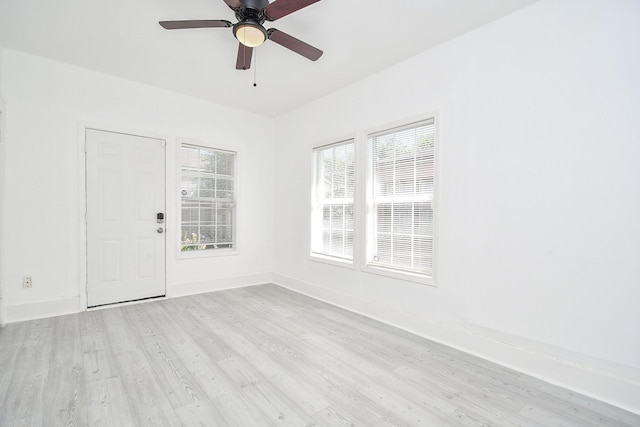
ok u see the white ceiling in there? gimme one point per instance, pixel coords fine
(123, 38)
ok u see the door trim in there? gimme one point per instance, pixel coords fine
(3, 248)
(82, 204)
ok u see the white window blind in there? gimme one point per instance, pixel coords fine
(208, 198)
(400, 200)
(332, 214)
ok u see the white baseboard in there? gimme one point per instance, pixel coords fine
(70, 305)
(605, 381)
(42, 309)
(191, 288)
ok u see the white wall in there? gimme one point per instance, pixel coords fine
(47, 104)
(539, 231)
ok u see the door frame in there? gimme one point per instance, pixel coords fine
(170, 211)
(3, 163)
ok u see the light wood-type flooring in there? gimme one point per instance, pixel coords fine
(262, 356)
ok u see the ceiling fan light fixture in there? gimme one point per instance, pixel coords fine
(249, 33)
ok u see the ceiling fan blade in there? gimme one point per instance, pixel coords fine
(207, 23)
(280, 8)
(233, 4)
(292, 43)
(244, 57)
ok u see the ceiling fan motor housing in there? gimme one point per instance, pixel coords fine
(250, 14)
(255, 4)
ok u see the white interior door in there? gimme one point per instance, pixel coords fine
(125, 240)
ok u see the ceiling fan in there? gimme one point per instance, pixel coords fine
(251, 14)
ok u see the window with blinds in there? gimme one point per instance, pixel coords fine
(332, 222)
(208, 198)
(400, 198)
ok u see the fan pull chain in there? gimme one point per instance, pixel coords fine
(255, 66)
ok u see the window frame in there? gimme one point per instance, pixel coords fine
(212, 252)
(313, 217)
(367, 203)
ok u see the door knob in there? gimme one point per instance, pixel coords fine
(160, 230)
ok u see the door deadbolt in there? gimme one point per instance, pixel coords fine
(160, 217)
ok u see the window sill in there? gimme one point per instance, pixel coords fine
(207, 253)
(332, 261)
(421, 279)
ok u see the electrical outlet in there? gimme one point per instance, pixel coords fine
(27, 282)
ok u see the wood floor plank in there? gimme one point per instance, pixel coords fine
(262, 356)
(65, 388)
(477, 415)
(278, 408)
(186, 318)
(153, 401)
(363, 410)
(10, 348)
(108, 403)
(562, 400)
(233, 405)
(334, 416)
(98, 356)
(167, 371)
(406, 409)
(226, 400)
(202, 413)
(415, 393)
(437, 382)
(565, 414)
(29, 376)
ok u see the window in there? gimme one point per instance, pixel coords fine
(332, 213)
(208, 199)
(400, 198)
